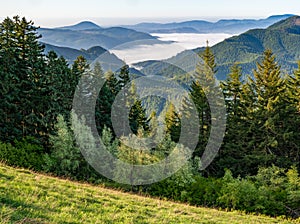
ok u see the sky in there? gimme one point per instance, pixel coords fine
(51, 13)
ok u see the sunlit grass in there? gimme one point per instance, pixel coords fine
(27, 197)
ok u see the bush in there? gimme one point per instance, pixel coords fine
(25, 153)
(271, 184)
(176, 186)
(237, 193)
(272, 192)
(204, 191)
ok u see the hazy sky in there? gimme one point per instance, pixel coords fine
(108, 12)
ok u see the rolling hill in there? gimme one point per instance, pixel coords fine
(108, 61)
(87, 34)
(232, 26)
(70, 54)
(282, 37)
(28, 197)
(84, 25)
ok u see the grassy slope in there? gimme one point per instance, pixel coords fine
(27, 197)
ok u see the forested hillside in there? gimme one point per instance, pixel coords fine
(246, 49)
(256, 169)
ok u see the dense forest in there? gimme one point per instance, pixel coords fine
(257, 166)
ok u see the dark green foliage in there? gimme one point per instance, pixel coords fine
(137, 117)
(58, 89)
(112, 82)
(129, 100)
(105, 98)
(263, 120)
(172, 122)
(34, 88)
(272, 191)
(21, 69)
(124, 77)
(234, 146)
(175, 187)
(25, 153)
(204, 84)
(79, 66)
(270, 112)
(204, 191)
(266, 193)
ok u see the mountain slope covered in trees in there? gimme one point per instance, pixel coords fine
(246, 49)
(252, 164)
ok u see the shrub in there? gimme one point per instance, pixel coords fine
(272, 192)
(237, 193)
(293, 192)
(25, 153)
(204, 191)
(175, 187)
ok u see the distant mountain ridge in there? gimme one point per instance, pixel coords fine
(282, 37)
(231, 26)
(84, 25)
(87, 34)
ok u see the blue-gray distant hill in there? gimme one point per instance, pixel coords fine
(108, 61)
(87, 34)
(232, 26)
(85, 25)
(247, 49)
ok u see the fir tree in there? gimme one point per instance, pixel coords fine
(137, 114)
(23, 67)
(105, 100)
(204, 83)
(124, 77)
(233, 149)
(112, 82)
(172, 122)
(269, 117)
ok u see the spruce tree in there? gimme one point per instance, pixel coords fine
(112, 82)
(172, 122)
(58, 88)
(124, 77)
(269, 116)
(294, 87)
(294, 113)
(137, 117)
(137, 114)
(23, 65)
(204, 84)
(233, 149)
(105, 100)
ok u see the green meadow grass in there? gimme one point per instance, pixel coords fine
(28, 197)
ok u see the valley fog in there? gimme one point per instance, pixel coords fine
(181, 42)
